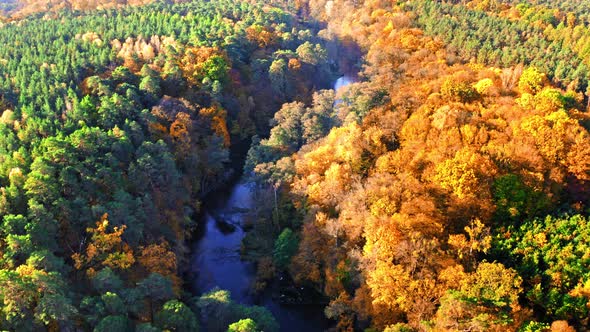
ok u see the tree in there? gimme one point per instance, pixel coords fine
(285, 247)
(218, 118)
(159, 259)
(514, 200)
(215, 307)
(150, 85)
(114, 324)
(18, 297)
(492, 284)
(552, 100)
(157, 289)
(260, 315)
(80, 138)
(311, 54)
(146, 327)
(113, 303)
(318, 119)
(479, 241)
(199, 63)
(487, 300)
(483, 86)
(277, 74)
(550, 256)
(218, 311)
(105, 249)
(287, 132)
(466, 174)
(96, 86)
(458, 91)
(399, 327)
(176, 316)
(55, 308)
(106, 280)
(122, 74)
(243, 325)
(216, 68)
(531, 80)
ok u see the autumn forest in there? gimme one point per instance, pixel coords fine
(444, 187)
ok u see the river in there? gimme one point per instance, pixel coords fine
(215, 260)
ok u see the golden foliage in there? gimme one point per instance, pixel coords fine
(104, 249)
(218, 118)
(260, 35)
(294, 64)
(466, 174)
(158, 258)
(406, 190)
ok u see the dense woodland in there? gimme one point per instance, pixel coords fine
(115, 124)
(450, 190)
(447, 190)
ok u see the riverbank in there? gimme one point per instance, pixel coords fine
(217, 259)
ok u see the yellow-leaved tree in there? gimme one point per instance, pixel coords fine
(106, 248)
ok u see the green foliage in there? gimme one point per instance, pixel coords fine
(294, 125)
(114, 324)
(146, 327)
(215, 309)
(503, 42)
(113, 303)
(359, 101)
(100, 117)
(243, 325)
(285, 247)
(533, 326)
(176, 316)
(312, 54)
(107, 280)
(26, 307)
(216, 68)
(260, 315)
(122, 74)
(55, 308)
(218, 311)
(277, 73)
(156, 287)
(46, 260)
(514, 200)
(150, 85)
(551, 254)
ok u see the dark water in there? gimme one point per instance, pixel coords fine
(215, 260)
(216, 255)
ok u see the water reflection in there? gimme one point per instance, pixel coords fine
(216, 261)
(216, 256)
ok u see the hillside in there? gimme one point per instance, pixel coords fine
(115, 124)
(449, 190)
(15, 9)
(445, 187)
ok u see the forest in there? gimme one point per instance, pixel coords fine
(115, 124)
(446, 189)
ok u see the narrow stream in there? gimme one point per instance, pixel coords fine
(216, 255)
(216, 262)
